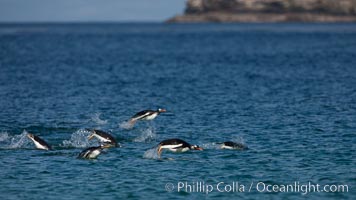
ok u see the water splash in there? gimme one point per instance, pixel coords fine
(126, 125)
(96, 118)
(20, 140)
(151, 154)
(147, 135)
(217, 145)
(238, 139)
(79, 139)
(211, 145)
(4, 136)
(14, 142)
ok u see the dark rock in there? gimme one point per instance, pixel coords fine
(268, 11)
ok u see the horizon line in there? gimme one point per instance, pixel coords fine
(80, 21)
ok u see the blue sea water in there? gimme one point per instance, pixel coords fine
(287, 91)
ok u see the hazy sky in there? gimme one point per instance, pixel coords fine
(89, 10)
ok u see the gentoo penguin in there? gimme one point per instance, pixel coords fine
(40, 144)
(92, 152)
(176, 145)
(146, 115)
(103, 137)
(233, 145)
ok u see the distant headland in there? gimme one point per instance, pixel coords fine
(268, 11)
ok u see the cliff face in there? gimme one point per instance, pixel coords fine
(268, 11)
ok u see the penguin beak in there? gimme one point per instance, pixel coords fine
(29, 135)
(163, 110)
(159, 151)
(106, 146)
(198, 148)
(91, 136)
(132, 122)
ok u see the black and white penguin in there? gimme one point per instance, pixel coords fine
(176, 145)
(40, 144)
(92, 152)
(146, 115)
(103, 137)
(233, 145)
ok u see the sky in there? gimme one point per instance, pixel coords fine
(89, 10)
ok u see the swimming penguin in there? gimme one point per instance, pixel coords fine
(40, 144)
(233, 145)
(103, 137)
(146, 115)
(176, 145)
(92, 152)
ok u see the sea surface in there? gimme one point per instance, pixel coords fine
(287, 91)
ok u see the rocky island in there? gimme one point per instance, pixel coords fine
(268, 11)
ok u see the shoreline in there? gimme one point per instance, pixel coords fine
(226, 17)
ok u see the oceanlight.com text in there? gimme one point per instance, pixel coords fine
(261, 187)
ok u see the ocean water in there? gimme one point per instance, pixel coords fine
(287, 91)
